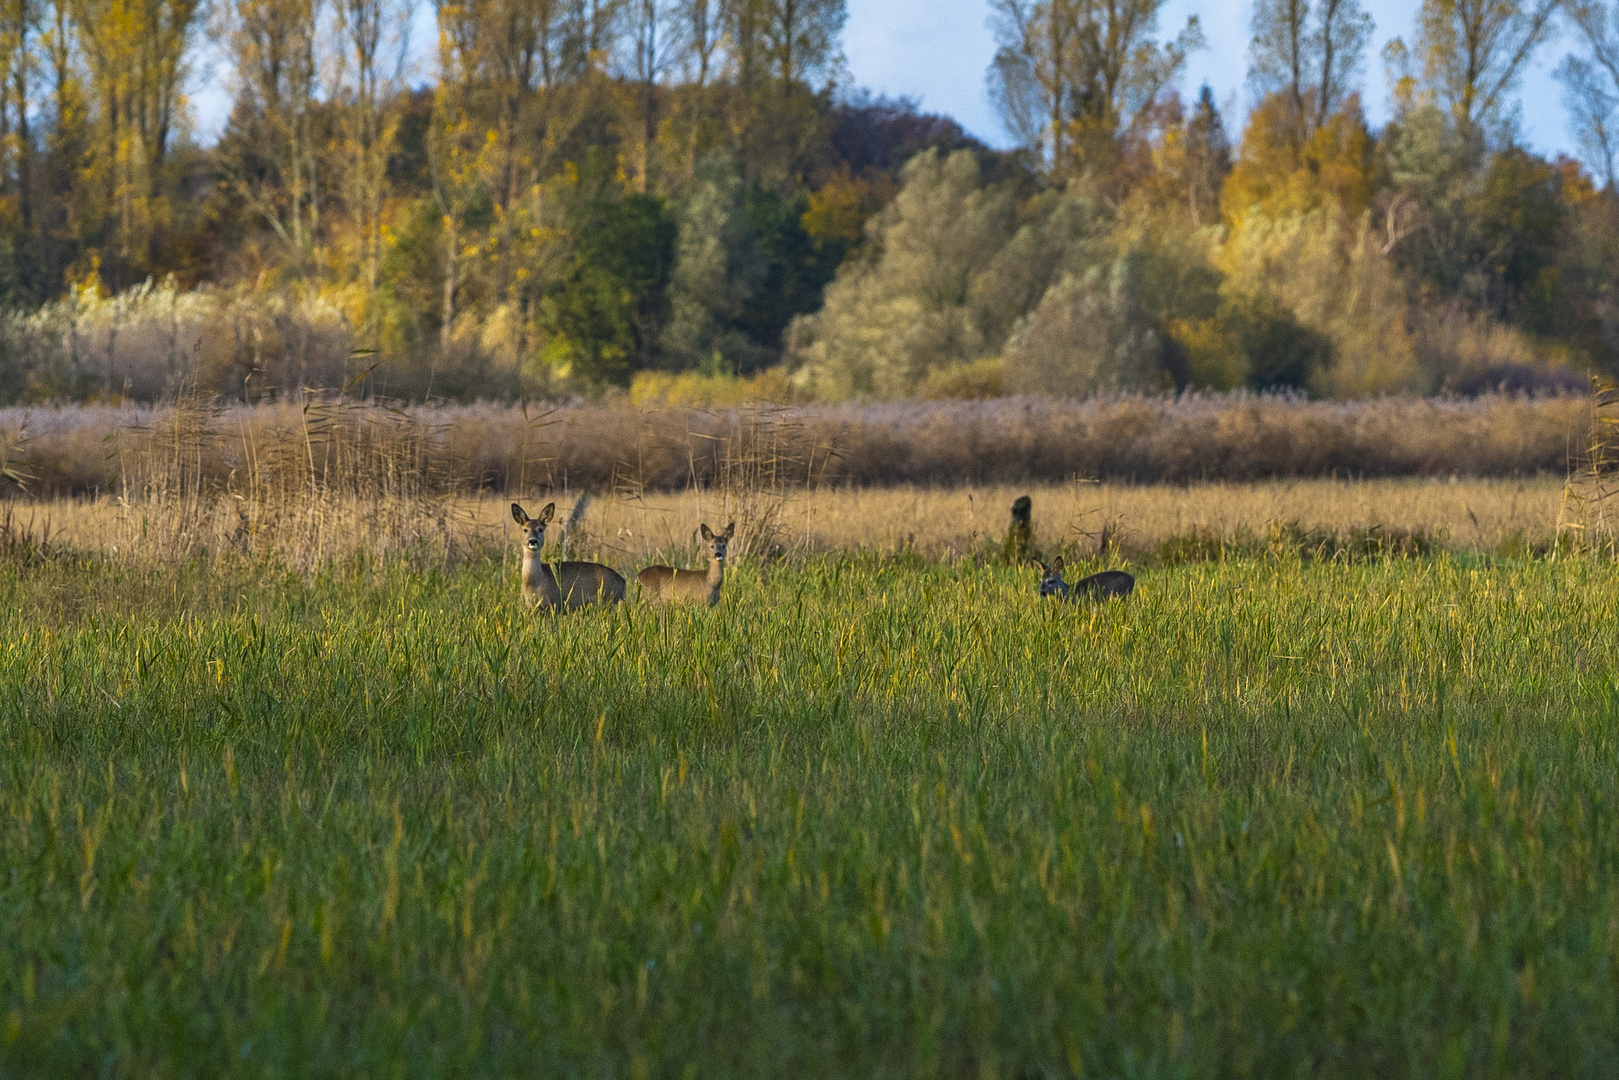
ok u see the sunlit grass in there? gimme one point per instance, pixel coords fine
(872, 816)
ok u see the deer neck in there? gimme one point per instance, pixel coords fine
(716, 577)
(539, 583)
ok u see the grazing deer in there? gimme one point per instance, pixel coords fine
(571, 585)
(1107, 585)
(667, 583)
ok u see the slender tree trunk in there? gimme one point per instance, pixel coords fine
(451, 253)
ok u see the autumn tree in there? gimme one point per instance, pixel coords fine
(1309, 54)
(778, 51)
(456, 143)
(700, 36)
(653, 49)
(18, 40)
(1032, 78)
(64, 214)
(1470, 55)
(1195, 158)
(375, 45)
(1592, 84)
(275, 168)
(1070, 75)
(136, 53)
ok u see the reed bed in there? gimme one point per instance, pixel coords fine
(80, 450)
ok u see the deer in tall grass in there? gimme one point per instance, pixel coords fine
(571, 585)
(667, 583)
(1107, 585)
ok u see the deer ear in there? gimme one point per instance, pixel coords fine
(1056, 564)
(518, 515)
(548, 513)
(1044, 569)
(730, 530)
(708, 534)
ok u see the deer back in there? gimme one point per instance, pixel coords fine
(581, 584)
(1104, 586)
(669, 583)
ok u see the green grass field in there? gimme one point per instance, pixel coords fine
(869, 818)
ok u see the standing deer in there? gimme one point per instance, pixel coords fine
(1107, 585)
(1020, 537)
(571, 585)
(667, 583)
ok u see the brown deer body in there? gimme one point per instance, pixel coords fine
(1108, 585)
(663, 583)
(572, 585)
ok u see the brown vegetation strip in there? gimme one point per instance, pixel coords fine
(365, 447)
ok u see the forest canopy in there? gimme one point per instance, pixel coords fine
(688, 200)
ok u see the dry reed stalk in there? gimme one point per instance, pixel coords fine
(13, 453)
(1586, 520)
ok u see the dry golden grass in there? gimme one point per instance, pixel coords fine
(939, 523)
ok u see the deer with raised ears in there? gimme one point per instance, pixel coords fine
(667, 583)
(1108, 585)
(571, 585)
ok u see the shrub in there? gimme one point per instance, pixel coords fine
(889, 323)
(1088, 334)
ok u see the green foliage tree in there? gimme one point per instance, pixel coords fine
(889, 323)
(604, 321)
(718, 273)
(1088, 333)
(797, 267)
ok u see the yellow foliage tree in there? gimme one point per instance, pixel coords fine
(1276, 176)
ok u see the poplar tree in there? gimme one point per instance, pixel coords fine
(1308, 53)
(375, 41)
(1592, 84)
(1470, 55)
(1071, 75)
(272, 48)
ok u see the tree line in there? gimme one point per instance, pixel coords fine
(1144, 251)
(589, 193)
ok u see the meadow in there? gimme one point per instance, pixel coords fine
(878, 814)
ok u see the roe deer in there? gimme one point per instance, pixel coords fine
(667, 583)
(571, 585)
(1020, 536)
(1104, 586)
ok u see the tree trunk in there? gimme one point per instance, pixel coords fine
(451, 244)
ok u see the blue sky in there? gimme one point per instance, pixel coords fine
(937, 51)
